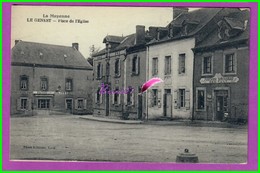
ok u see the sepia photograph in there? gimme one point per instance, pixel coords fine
(135, 84)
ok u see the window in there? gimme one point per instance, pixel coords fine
(24, 83)
(207, 65)
(200, 99)
(80, 104)
(155, 66)
(99, 71)
(24, 104)
(167, 65)
(130, 97)
(68, 85)
(135, 65)
(117, 67)
(182, 98)
(181, 63)
(43, 103)
(44, 84)
(154, 97)
(229, 61)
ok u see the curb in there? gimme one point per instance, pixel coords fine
(113, 120)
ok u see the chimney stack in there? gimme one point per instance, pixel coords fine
(179, 10)
(75, 46)
(16, 41)
(140, 34)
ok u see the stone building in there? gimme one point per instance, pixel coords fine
(221, 71)
(170, 57)
(121, 65)
(49, 79)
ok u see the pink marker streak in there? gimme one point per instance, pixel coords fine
(150, 83)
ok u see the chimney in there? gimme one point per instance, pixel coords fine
(179, 10)
(16, 41)
(140, 34)
(75, 46)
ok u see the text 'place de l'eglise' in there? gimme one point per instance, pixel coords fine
(202, 56)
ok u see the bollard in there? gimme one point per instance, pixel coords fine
(187, 157)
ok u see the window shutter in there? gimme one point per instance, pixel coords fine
(101, 98)
(18, 104)
(76, 104)
(96, 95)
(165, 65)
(175, 99)
(159, 98)
(101, 71)
(29, 104)
(138, 65)
(150, 96)
(133, 99)
(119, 99)
(85, 103)
(119, 67)
(113, 99)
(187, 99)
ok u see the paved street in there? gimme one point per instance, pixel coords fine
(72, 138)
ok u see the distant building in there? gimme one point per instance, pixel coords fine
(221, 75)
(49, 79)
(170, 57)
(121, 65)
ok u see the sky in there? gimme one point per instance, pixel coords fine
(99, 22)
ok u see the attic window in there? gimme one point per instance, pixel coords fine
(41, 54)
(65, 56)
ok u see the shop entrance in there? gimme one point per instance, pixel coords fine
(221, 104)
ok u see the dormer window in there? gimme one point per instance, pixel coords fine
(170, 34)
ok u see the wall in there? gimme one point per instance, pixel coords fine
(82, 86)
(175, 80)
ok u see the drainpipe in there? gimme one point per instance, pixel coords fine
(147, 77)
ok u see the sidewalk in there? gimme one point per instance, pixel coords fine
(180, 122)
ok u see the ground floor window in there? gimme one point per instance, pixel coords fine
(43, 103)
(80, 103)
(201, 99)
(182, 98)
(154, 97)
(24, 104)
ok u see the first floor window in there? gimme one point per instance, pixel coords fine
(68, 85)
(24, 83)
(24, 104)
(43, 103)
(200, 99)
(207, 66)
(99, 71)
(182, 63)
(229, 63)
(117, 67)
(155, 66)
(135, 65)
(167, 65)
(44, 84)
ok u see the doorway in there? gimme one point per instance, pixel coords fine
(221, 104)
(68, 105)
(167, 103)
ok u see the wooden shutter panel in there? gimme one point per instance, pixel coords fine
(18, 104)
(175, 99)
(159, 98)
(119, 67)
(96, 95)
(187, 99)
(29, 104)
(138, 66)
(150, 96)
(101, 71)
(113, 99)
(133, 99)
(76, 104)
(85, 103)
(119, 99)
(101, 98)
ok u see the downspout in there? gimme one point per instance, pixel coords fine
(147, 77)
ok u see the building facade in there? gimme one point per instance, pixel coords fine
(221, 64)
(122, 66)
(170, 57)
(49, 79)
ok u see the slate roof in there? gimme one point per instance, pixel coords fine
(127, 42)
(199, 18)
(238, 20)
(47, 54)
(113, 39)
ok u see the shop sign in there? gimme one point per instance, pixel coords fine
(218, 78)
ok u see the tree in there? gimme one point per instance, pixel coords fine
(92, 50)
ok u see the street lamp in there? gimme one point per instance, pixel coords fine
(108, 47)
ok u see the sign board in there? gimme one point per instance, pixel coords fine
(218, 78)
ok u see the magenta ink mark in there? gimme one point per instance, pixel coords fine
(104, 89)
(150, 83)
